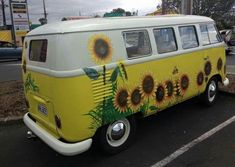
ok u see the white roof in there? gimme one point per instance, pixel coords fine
(110, 23)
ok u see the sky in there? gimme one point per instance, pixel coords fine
(57, 9)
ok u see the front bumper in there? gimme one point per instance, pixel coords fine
(226, 82)
(59, 146)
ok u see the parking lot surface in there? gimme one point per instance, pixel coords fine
(157, 137)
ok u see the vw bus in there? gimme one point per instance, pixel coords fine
(88, 80)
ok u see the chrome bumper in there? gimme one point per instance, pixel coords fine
(67, 149)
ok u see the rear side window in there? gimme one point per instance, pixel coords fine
(165, 40)
(188, 37)
(137, 43)
(210, 34)
(38, 50)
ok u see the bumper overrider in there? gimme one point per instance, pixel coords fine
(67, 149)
(226, 82)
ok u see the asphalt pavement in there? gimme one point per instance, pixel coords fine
(157, 137)
(10, 70)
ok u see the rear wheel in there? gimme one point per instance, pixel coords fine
(210, 95)
(117, 136)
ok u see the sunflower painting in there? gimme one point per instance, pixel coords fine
(135, 99)
(161, 93)
(207, 68)
(120, 99)
(219, 64)
(147, 97)
(184, 83)
(147, 86)
(100, 49)
(170, 88)
(200, 78)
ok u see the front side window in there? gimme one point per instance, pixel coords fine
(205, 35)
(137, 43)
(213, 34)
(165, 40)
(38, 50)
(209, 34)
(188, 37)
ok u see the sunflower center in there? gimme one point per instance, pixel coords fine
(101, 48)
(170, 88)
(207, 68)
(160, 93)
(200, 78)
(122, 98)
(184, 82)
(135, 97)
(219, 64)
(148, 84)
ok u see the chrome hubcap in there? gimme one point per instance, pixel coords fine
(118, 132)
(212, 91)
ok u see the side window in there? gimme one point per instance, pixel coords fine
(165, 40)
(210, 34)
(205, 35)
(38, 50)
(188, 37)
(137, 43)
(213, 34)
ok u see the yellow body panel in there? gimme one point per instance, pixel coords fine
(74, 100)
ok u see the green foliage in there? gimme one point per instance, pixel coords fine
(153, 108)
(118, 12)
(114, 75)
(216, 9)
(30, 84)
(105, 111)
(91, 73)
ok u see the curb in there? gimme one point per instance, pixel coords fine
(231, 94)
(11, 121)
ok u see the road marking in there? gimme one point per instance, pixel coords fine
(12, 64)
(186, 147)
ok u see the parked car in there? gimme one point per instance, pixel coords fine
(230, 43)
(9, 51)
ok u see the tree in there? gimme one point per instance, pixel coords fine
(216, 9)
(42, 21)
(118, 12)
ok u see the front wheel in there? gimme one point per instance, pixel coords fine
(210, 95)
(117, 136)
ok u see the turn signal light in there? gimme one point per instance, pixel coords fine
(57, 122)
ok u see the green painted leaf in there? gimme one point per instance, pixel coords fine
(124, 71)
(114, 75)
(153, 108)
(91, 73)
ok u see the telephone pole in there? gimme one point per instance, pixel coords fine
(187, 7)
(164, 7)
(3, 13)
(44, 9)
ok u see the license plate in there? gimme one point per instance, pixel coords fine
(42, 109)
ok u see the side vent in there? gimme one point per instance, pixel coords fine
(101, 87)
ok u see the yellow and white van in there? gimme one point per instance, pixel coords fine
(89, 80)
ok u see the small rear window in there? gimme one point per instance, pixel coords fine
(38, 50)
